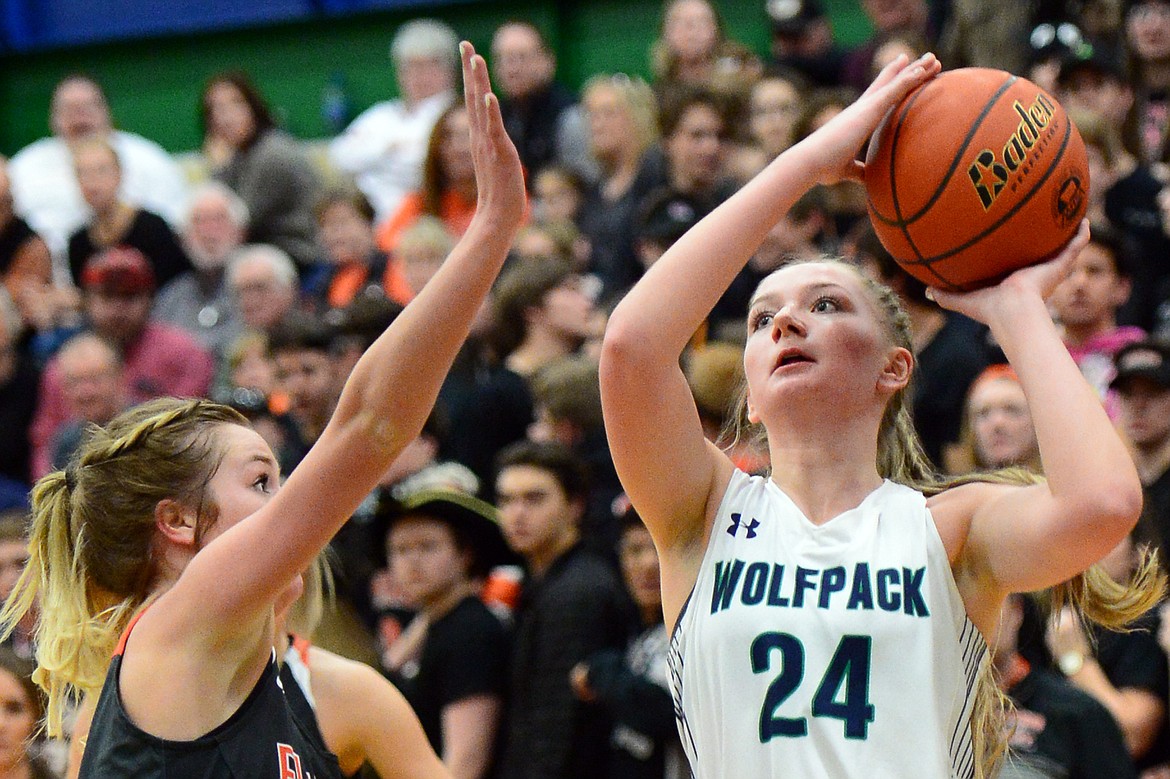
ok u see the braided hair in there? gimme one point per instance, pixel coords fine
(90, 564)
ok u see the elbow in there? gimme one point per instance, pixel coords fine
(620, 346)
(1118, 503)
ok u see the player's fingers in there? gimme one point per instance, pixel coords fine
(466, 52)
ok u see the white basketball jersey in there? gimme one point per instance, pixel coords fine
(837, 651)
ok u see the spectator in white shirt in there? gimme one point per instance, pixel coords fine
(384, 147)
(44, 185)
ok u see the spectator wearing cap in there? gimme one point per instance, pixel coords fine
(118, 289)
(542, 116)
(199, 300)
(451, 662)
(116, 222)
(572, 605)
(1095, 82)
(1142, 387)
(802, 40)
(383, 148)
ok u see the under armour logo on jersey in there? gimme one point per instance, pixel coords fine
(750, 527)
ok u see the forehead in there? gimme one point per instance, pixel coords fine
(1094, 255)
(690, 10)
(211, 203)
(800, 277)
(516, 479)
(85, 356)
(419, 526)
(77, 92)
(240, 444)
(516, 36)
(772, 88)
(996, 390)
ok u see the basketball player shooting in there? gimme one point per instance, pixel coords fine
(832, 618)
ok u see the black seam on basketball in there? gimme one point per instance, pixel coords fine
(953, 166)
(1011, 212)
(896, 128)
(893, 188)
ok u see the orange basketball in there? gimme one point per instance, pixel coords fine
(973, 175)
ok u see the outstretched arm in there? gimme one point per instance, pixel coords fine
(1029, 538)
(383, 406)
(672, 475)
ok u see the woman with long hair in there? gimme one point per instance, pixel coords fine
(832, 617)
(162, 555)
(262, 164)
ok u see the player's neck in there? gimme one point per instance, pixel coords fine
(824, 481)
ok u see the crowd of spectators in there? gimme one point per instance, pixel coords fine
(124, 280)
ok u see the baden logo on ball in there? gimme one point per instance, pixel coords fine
(973, 175)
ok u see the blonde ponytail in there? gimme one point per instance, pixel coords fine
(89, 565)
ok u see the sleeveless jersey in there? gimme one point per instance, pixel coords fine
(261, 740)
(840, 650)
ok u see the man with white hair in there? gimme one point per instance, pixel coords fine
(199, 300)
(44, 184)
(384, 147)
(263, 281)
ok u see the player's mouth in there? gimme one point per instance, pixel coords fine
(791, 357)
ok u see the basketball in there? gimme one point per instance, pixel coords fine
(973, 175)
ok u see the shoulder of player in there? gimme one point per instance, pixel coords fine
(349, 692)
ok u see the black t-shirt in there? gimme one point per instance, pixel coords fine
(1057, 722)
(1156, 510)
(150, 234)
(465, 655)
(1135, 660)
(947, 365)
(18, 402)
(262, 740)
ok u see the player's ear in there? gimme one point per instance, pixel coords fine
(750, 407)
(175, 522)
(896, 373)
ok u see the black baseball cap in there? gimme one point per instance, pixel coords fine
(1148, 359)
(476, 520)
(1095, 62)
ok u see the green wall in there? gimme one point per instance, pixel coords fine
(154, 85)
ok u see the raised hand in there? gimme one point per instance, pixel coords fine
(1040, 279)
(835, 145)
(499, 176)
